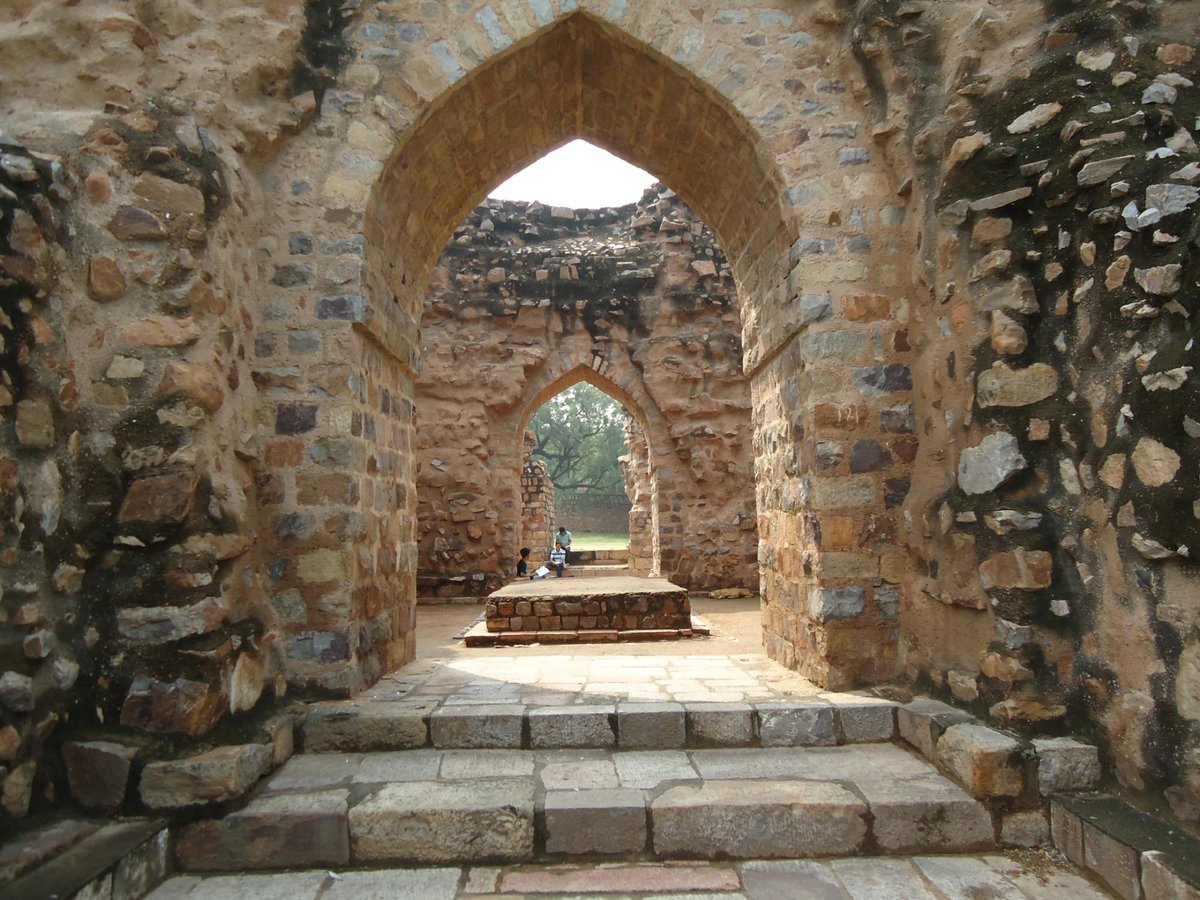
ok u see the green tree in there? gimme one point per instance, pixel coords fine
(580, 435)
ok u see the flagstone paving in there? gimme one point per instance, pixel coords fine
(1037, 876)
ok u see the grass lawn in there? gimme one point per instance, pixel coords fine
(599, 541)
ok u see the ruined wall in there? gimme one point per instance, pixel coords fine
(537, 501)
(639, 487)
(527, 301)
(1055, 508)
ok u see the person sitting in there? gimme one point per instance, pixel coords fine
(558, 559)
(564, 538)
(523, 563)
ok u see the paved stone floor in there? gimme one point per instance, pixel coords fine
(1024, 875)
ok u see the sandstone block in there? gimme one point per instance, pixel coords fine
(161, 331)
(1026, 570)
(167, 196)
(364, 725)
(220, 774)
(650, 726)
(477, 727)
(98, 772)
(158, 500)
(572, 726)
(1065, 764)
(986, 762)
(1003, 385)
(926, 815)
(199, 383)
(720, 724)
(784, 724)
(922, 722)
(105, 280)
(35, 424)
(1155, 463)
(777, 819)
(1025, 828)
(132, 223)
(278, 831)
(604, 822)
(162, 624)
(427, 822)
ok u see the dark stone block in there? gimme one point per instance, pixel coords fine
(295, 418)
(869, 456)
(98, 772)
(883, 379)
(290, 276)
(159, 500)
(346, 306)
(300, 244)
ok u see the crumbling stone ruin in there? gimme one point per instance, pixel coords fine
(962, 251)
(639, 301)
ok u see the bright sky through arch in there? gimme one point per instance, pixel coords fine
(579, 175)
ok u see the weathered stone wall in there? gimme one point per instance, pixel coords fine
(1055, 514)
(587, 512)
(529, 300)
(639, 487)
(537, 502)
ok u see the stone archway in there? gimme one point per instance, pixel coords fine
(416, 140)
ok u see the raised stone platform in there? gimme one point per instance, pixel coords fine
(582, 605)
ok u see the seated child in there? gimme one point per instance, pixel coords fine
(523, 563)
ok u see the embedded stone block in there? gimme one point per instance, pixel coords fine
(278, 831)
(604, 822)
(98, 772)
(220, 774)
(864, 720)
(986, 762)
(1065, 764)
(1161, 882)
(720, 724)
(926, 816)
(922, 722)
(774, 819)
(495, 726)
(651, 726)
(1025, 828)
(364, 725)
(572, 726)
(430, 822)
(784, 724)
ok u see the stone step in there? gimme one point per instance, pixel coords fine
(855, 878)
(373, 725)
(600, 556)
(437, 807)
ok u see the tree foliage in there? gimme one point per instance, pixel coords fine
(580, 435)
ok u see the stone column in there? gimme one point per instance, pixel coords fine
(537, 501)
(643, 533)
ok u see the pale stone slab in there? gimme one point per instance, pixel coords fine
(720, 724)
(364, 725)
(768, 762)
(1056, 883)
(496, 726)
(473, 765)
(218, 775)
(650, 726)
(1118, 865)
(282, 886)
(1025, 828)
(873, 879)
(425, 822)
(407, 765)
(766, 820)
(791, 879)
(603, 822)
(868, 762)
(395, 884)
(313, 771)
(965, 878)
(573, 726)
(648, 769)
(927, 815)
(783, 724)
(984, 761)
(578, 774)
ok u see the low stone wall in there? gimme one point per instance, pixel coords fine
(620, 611)
(592, 513)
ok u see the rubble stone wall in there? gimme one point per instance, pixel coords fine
(529, 300)
(537, 501)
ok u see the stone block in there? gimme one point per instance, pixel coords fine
(927, 815)
(220, 774)
(496, 726)
(1066, 832)
(1065, 764)
(604, 822)
(1117, 864)
(158, 500)
(922, 722)
(364, 725)
(572, 726)
(98, 772)
(719, 819)
(277, 831)
(650, 726)
(720, 724)
(1161, 882)
(1025, 828)
(984, 761)
(784, 724)
(429, 822)
(864, 720)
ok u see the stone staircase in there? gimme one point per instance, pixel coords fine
(598, 563)
(384, 783)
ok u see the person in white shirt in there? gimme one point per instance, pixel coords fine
(558, 559)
